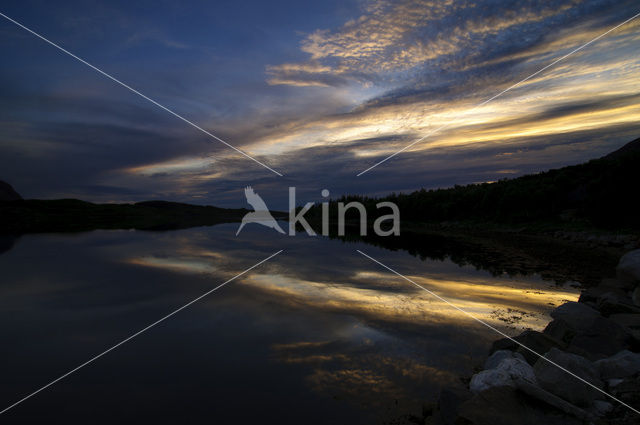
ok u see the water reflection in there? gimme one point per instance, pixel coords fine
(318, 335)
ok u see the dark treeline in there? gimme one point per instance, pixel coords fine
(600, 193)
(72, 215)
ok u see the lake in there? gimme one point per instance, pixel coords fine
(318, 334)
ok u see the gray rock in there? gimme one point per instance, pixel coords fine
(628, 321)
(508, 406)
(592, 295)
(614, 382)
(494, 360)
(533, 340)
(560, 330)
(615, 284)
(578, 315)
(603, 338)
(506, 373)
(490, 378)
(612, 303)
(555, 380)
(553, 400)
(601, 407)
(628, 269)
(628, 390)
(622, 365)
(631, 323)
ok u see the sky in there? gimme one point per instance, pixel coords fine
(318, 91)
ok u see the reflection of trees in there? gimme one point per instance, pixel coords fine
(503, 253)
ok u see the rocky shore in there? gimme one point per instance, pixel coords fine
(595, 340)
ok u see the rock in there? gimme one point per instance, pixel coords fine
(560, 330)
(613, 382)
(494, 360)
(553, 400)
(628, 390)
(628, 321)
(603, 338)
(578, 315)
(591, 296)
(611, 303)
(508, 406)
(622, 365)
(449, 403)
(631, 323)
(504, 374)
(536, 341)
(490, 378)
(615, 284)
(555, 380)
(601, 407)
(628, 269)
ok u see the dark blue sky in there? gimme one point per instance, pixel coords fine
(318, 90)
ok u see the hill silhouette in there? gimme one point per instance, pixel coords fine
(629, 148)
(598, 194)
(8, 193)
(72, 215)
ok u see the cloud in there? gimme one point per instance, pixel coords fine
(348, 96)
(395, 41)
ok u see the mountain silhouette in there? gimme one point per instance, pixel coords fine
(600, 193)
(8, 193)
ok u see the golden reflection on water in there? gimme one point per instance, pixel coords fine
(497, 301)
(354, 367)
(520, 307)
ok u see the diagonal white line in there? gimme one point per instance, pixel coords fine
(136, 334)
(496, 330)
(501, 93)
(139, 94)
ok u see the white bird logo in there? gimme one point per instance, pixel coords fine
(261, 214)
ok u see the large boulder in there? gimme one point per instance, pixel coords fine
(508, 406)
(622, 365)
(591, 296)
(635, 296)
(537, 341)
(560, 330)
(497, 357)
(577, 315)
(586, 332)
(614, 303)
(506, 373)
(628, 391)
(603, 338)
(566, 386)
(631, 323)
(628, 269)
(612, 284)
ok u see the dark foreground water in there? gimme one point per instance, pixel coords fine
(317, 335)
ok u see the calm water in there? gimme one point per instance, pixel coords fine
(319, 334)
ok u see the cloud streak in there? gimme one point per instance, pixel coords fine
(329, 104)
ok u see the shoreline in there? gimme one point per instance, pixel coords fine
(596, 338)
